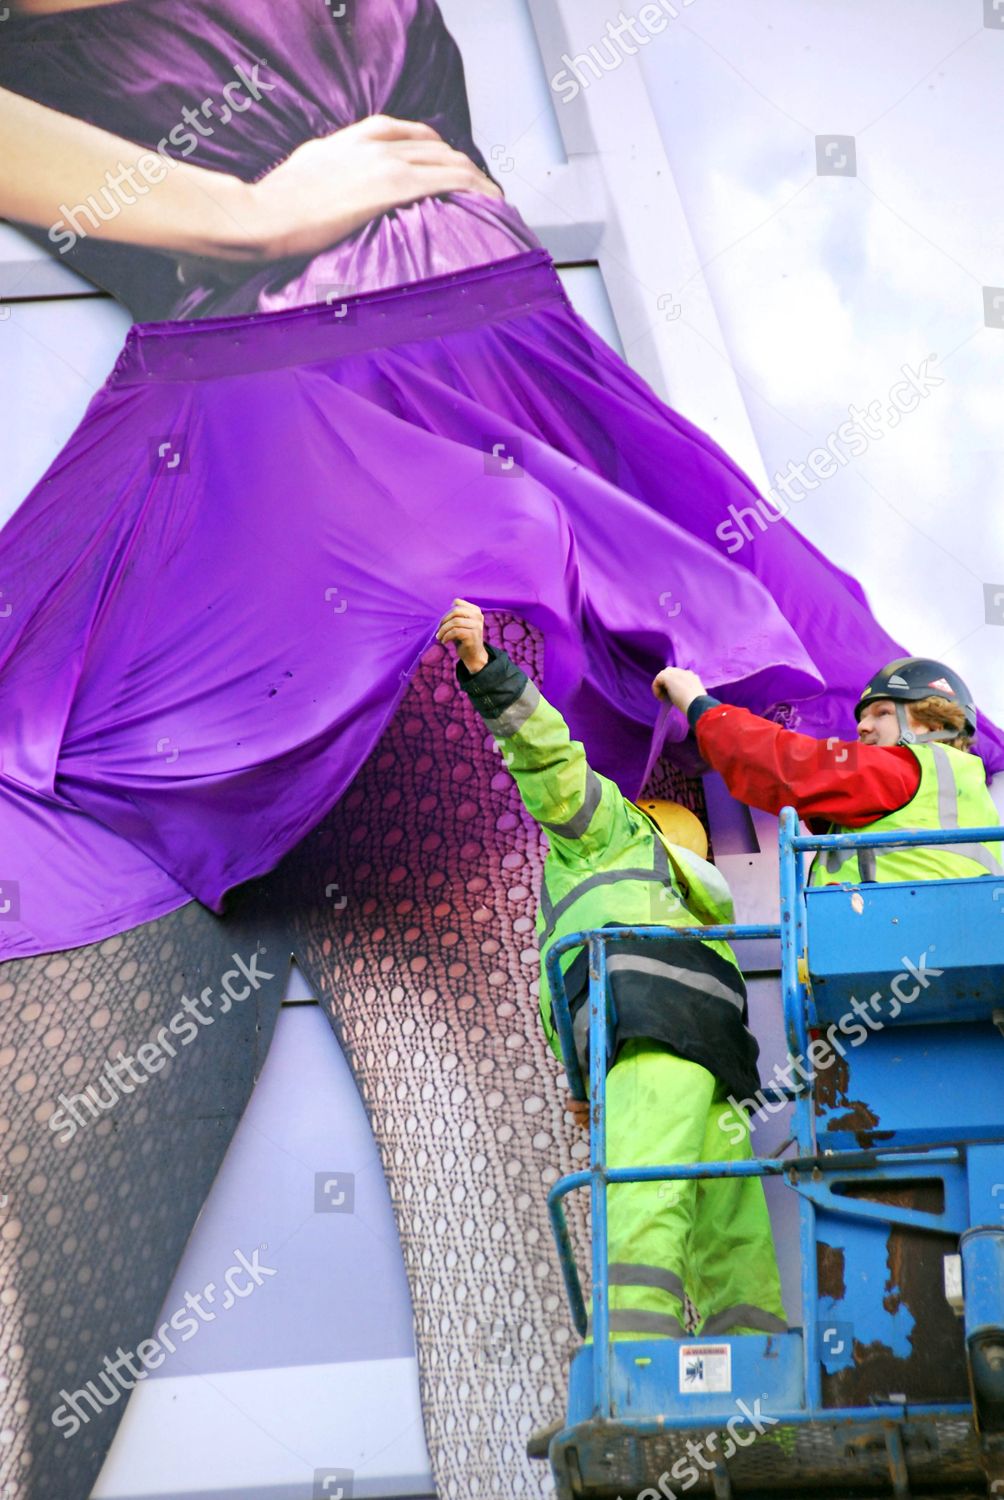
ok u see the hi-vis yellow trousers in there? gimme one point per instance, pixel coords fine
(710, 1238)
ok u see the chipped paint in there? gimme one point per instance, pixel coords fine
(885, 1283)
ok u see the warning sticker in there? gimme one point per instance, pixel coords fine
(705, 1367)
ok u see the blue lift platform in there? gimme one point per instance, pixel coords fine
(893, 1384)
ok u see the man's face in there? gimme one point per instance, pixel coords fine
(878, 724)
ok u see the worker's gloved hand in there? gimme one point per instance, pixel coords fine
(579, 1111)
(464, 625)
(678, 686)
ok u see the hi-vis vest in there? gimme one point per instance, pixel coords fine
(952, 794)
(644, 880)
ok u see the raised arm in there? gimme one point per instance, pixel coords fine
(323, 191)
(577, 807)
(770, 767)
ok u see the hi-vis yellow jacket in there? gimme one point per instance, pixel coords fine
(952, 794)
(607, 863)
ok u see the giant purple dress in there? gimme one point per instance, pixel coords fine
(227, 575)
(214, 602)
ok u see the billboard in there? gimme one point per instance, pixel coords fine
(354, 391)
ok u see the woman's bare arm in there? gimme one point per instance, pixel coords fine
(53, 164)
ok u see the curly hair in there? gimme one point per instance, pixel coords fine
(941, 713)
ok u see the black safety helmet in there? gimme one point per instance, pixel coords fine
(912, 678)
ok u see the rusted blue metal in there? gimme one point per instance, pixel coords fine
(899, 1153)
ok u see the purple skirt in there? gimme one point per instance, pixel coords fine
(214, 599)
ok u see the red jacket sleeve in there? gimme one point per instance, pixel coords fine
(839, 781)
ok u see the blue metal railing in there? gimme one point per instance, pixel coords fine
(792, 931)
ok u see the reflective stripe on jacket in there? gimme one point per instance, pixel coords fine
(608, 864)
(952, 794)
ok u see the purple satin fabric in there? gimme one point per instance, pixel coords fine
(219, 590)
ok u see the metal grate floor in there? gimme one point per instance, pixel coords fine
(839, 1461)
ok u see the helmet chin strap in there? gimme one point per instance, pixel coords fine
(908, 736)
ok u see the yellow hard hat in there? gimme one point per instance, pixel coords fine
(676, 823)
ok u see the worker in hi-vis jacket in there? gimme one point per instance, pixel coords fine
(911, 767)
(682, 1042)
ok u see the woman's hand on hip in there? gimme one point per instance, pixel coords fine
(331, 186)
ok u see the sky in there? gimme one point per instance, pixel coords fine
(826, 286)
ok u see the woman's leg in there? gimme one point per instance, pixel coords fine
(411, 910)
(95, 1214)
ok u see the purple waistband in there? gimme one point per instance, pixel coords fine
(213, 348)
